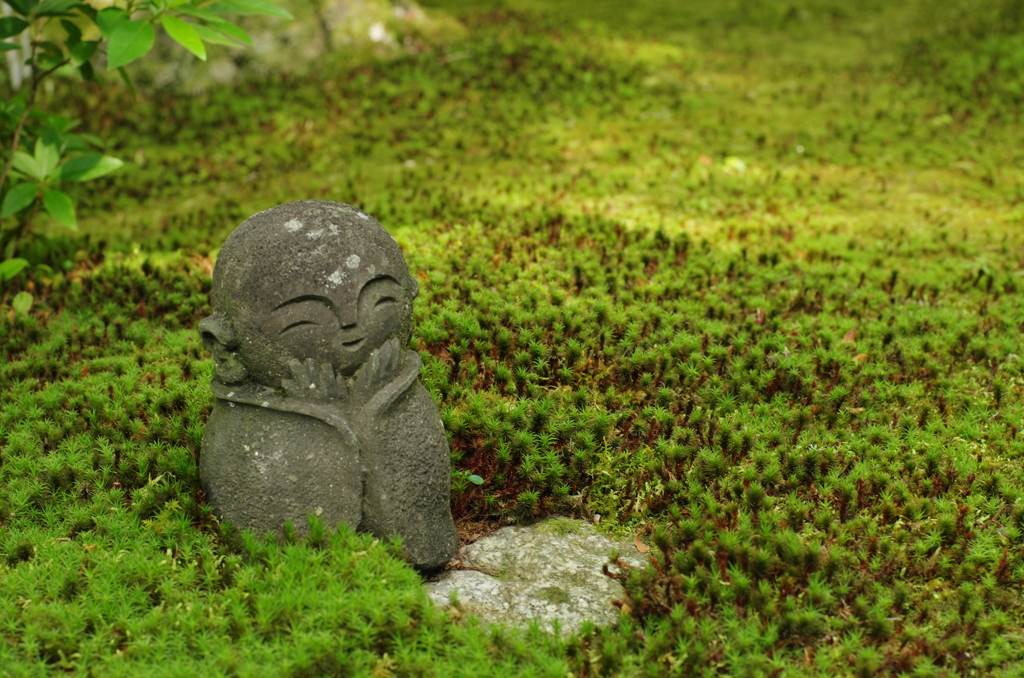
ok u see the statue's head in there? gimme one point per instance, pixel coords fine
(309, 279)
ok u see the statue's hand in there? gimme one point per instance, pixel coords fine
(312, 383)
(380, 369)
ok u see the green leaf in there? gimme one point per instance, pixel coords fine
(89, 166)
(49, 60)
(231, 30)
(92, 139)
(477, 480)
(214, 37)
(26, 164)
(75, 142)
(18, 198)
(83, 51)
(11, 26)
(60, 123)
(61, 207)
(88, 74)
(47, 154)
(218, 24)
(11, 268)
(127, 81)
(21, 303)
(198, 13)
(74, 33)
(23, 7)
(129, 41)
(14, 108)
(109, 19)
(8, 47)
(52, 136)
(248, 7)
(184, 34)
(57, 7)
(51, 48)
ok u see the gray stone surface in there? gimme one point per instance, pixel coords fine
(550, 571)
(319, 408)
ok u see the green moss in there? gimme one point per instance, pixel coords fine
(554, 595)
(796, 372)
(560, 527)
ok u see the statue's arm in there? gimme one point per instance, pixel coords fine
(386, 375)
(313, 383)
(396, 387)
(316, 391)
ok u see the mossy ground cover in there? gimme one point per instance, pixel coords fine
(744, 278)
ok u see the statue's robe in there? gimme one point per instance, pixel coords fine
(382, 466)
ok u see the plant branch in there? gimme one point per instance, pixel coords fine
(60, 65)
(21, 229)
(37, 78)
(21, 122)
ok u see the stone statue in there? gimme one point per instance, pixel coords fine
(319, 406)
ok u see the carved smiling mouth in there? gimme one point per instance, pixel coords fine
(352, 345)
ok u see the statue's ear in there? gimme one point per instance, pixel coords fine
(217, 330)
(221, 340)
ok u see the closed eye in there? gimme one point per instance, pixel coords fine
(384, 300)
(298, 324)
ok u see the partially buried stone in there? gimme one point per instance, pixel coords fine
(319, 407)
(550, 572)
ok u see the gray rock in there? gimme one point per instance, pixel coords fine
(319, 408)
(548, 572)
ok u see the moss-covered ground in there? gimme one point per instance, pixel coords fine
(743, 277)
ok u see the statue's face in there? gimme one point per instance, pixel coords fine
(340, 331)
(309, 280)
(339, 326)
